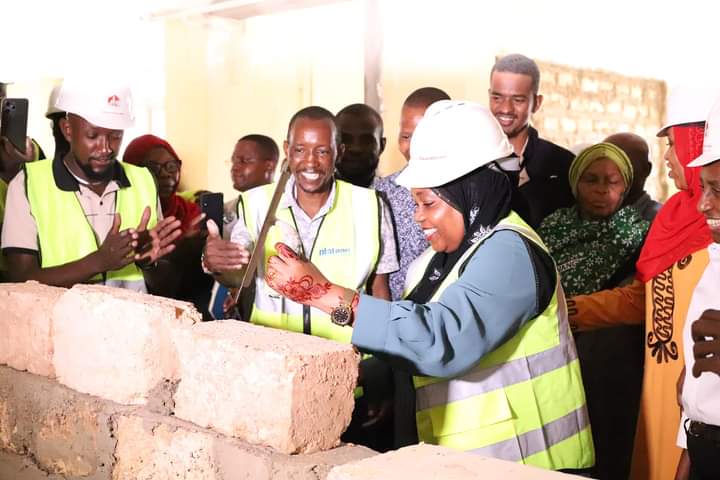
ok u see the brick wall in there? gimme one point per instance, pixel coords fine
(102, 383)
(99, 383)
(585, 106)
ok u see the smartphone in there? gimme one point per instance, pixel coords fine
(211, 204)
(13, 122)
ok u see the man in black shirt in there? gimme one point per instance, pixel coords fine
(542, 170)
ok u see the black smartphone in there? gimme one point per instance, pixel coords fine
(13, 123)
(211, 204)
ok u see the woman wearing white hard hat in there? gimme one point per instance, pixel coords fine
(699, 428)
(666, 271)
(483, 326)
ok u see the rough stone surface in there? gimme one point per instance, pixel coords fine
(317, 465)
(116, 343)
(159, 448)
(17, 467)
(25, 326)
(426, 462)
(64, 432)
(289, 391)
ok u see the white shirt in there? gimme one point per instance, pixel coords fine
(701, 396)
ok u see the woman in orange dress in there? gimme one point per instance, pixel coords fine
(660, 296)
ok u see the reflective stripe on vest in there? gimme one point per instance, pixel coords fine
(64, 234)
(346, 250)
(524, 401)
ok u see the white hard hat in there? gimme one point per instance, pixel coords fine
(103, 103)
(52, 109)
(711, 142)
(453, 139)
(687, 104)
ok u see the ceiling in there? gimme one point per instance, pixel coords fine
(235, 9)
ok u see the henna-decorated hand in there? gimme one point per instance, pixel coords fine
(295, 278)
(706, 350)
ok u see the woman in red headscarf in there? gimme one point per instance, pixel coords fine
(671, 262)
(185, 279)
(160, 158)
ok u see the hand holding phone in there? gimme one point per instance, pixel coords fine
(211, 204)
(13, 122)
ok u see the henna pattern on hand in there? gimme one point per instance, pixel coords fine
(286, 251)
(300, 291)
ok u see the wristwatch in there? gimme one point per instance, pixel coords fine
(342, 314)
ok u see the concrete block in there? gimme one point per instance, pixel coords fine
(62, 431)
(154, 447)
(426, 462)
(116, 343)
(289, 391)
(25, 326)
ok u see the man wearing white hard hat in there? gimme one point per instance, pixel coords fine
(483, 326)
(699, 432)
(87, 218)
(57, 117)
(671, 261)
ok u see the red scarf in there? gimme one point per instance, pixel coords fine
(183, 210)
(679, 229)
(174, 206)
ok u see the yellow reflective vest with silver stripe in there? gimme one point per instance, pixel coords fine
(64, 234)
(346, 250)
(523, 402)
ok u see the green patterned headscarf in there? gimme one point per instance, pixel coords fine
(596, 152)
(590, 252)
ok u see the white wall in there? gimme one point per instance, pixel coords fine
(450, 43)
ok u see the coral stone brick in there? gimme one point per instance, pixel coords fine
(115, 343)
(25, 326)
(289, 391)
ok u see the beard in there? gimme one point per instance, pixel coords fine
(104, 175)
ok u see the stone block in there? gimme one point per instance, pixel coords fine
(63, 432)
(289, 391)
(154, 447)
(25, 326)
(115, 343)
(17, 467)
(426, 462)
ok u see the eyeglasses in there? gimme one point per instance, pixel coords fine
(169, 167)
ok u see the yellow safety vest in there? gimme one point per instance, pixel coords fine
(64, 234)
(524, 401)
(346, 250)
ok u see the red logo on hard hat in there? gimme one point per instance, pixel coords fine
(113, 101)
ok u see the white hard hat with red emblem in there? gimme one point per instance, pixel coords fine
(104, 103)
(453, 139)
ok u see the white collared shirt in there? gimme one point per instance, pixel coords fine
(701, 396)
